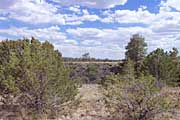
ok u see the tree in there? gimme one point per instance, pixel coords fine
(86, 56)
(34, 76)
(161, 65)
(178, 74)
(128, 70)
(136, 51)
(133, 95)
(126, 74)
(174, 53)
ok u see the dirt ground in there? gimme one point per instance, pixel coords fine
(91, 105)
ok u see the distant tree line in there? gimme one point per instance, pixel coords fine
(92, 73)
(87, 57)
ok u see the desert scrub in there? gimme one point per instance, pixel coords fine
(33, 76)
(136, 99)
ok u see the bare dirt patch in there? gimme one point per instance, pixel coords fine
(91, 105)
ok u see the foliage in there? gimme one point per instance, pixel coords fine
(127, 73)
(86, 56)
(91, 72)
(128, 70)
(136, 51)
(162, 66)
(91, 59)
(131, 98)
(32, 74)
(137, 99)
(174, 53)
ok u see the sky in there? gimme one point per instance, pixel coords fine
(101, 27)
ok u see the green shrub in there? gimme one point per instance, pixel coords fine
(131, 98)
(139, 99)
(32, 75)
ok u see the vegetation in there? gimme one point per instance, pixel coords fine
(132, 98)
(32, 76)
(163, 66)
(86, 56)
(136, 51)
(136, 92)
(69, 59)
(34, 79)
(160, 64)
(92, 73)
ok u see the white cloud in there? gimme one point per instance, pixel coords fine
(96, 52)
(91, 43)
(77, 20)
(72, 42)
(85, 33)
(143, 7)
(128, 16)
(2, 18)
(75, 9)
(106, 36)
(52, 34)
(4, 4)
(92, 3)
(171, 4)
(32, 11)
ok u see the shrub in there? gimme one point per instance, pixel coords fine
(139, 99)
(33, 76)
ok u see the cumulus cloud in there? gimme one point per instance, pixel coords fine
(32, 11)
(128, 16)
(52, 34)
(95, 51)
(73, 19)
(71, 42)
(92, 3)
(171, 4)
(75, 9)
(119, 35)
(39, 12)
(2, 18)
(4, 4)
(91, 43)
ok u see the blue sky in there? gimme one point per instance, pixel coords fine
(101, 27)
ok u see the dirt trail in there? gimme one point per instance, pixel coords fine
(91, 104)
(90, 92)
